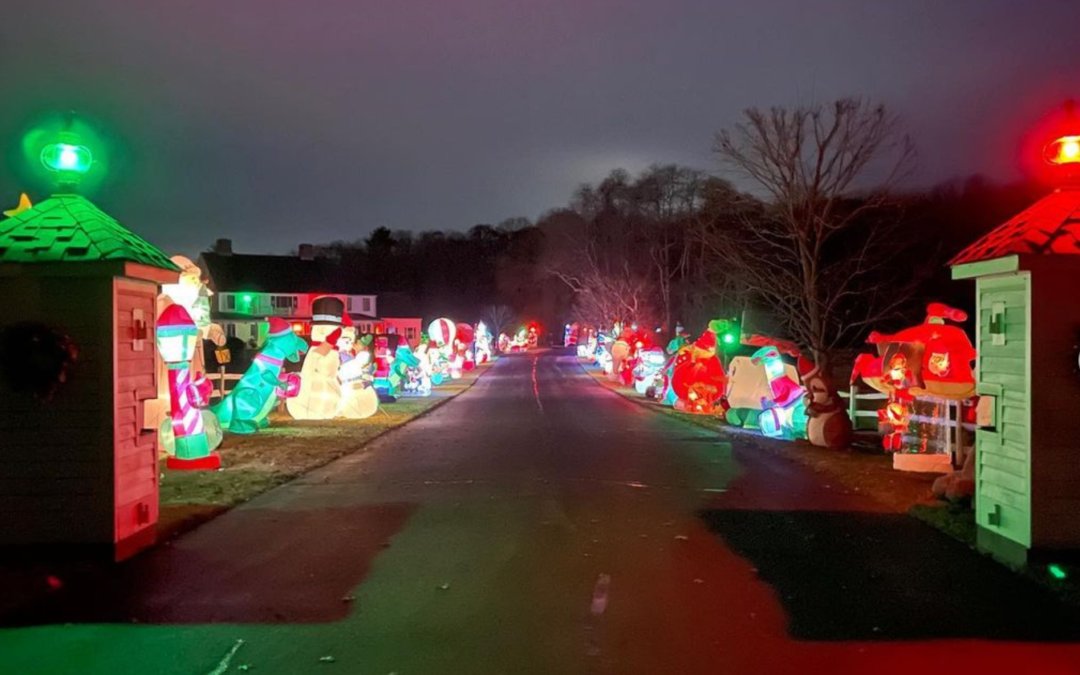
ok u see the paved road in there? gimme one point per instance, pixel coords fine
(541, 524)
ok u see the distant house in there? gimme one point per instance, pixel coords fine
(250, 288)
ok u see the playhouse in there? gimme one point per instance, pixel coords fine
(77, 361)
(1028, 326)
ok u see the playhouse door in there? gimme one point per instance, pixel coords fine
(1003, 467)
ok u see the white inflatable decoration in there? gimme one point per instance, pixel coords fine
(442, 332)
(358, 397)
(320, 389)
(748, 383)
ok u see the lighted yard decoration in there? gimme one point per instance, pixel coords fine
(783, 410)
(319, 396)
(384, 348)
(827, 424)
(570, 334)
(621, 348)
(602, 355)
(359, 399)
(1027, 475)
(939, 354)
(647, 373)
(921, 368)
(407, 376)
(465, 342)
(402, 361)
(483, 343)
(748, 391)
(442, 332)
(77, 361)
(460, 352)
(419, 376)
(193, 294)
(587, 348)
(697, 376)
(519, 342)
(177, 336)
(246, 408)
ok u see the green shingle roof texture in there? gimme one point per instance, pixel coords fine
(69, 228)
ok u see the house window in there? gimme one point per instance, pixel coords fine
(365, 305)
(229, 300)
(410, 333)
(287, 302)
(230, 329)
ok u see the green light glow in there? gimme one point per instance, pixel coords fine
(1057, 571)
(67, 157)
(63, 151)
(246, 297)
(729, 339)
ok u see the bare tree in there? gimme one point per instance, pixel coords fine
(665, 199)
(497, 318)
(817, 253)
(602, 256)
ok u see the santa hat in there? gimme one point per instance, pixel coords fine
(938, 310)
(706, 341)
(279, 327)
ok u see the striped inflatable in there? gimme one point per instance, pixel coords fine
(442, 332)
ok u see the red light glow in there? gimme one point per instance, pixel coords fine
(1064, 150)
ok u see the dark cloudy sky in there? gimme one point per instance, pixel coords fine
(279, 121)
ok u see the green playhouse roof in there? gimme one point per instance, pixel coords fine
(69, 228)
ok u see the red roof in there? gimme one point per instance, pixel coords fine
(1050, 226)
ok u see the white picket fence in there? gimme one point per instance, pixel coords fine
(863, 410)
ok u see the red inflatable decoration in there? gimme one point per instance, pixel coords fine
(936, 358)
(697, 377)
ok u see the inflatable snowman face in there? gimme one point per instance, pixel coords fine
(346, 343)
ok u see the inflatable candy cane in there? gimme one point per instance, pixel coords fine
(176, 340)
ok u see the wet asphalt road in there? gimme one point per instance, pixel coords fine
(539, 523)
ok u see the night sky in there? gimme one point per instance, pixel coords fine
(275, 122)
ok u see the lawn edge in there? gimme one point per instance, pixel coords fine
(1034, 572)
(184, 525)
